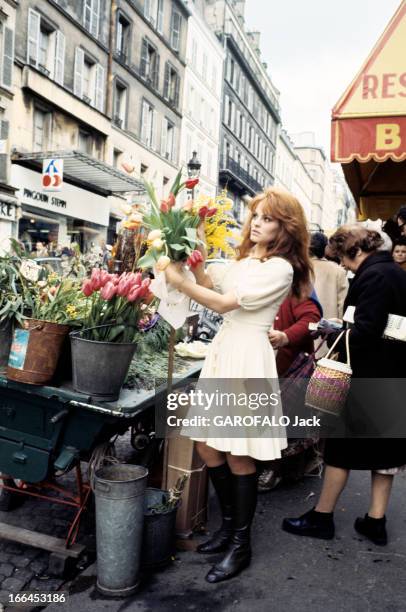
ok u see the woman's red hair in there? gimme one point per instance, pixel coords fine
(292, 242)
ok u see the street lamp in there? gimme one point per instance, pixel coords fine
(193, 170)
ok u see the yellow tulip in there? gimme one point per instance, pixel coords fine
(157, 244)
(162, 263)
(156, 233)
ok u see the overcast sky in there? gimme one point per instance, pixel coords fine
(314, 49)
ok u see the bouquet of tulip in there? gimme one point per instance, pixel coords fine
(173, 229)
(118, 302)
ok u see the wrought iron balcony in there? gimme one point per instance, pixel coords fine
(230, 166)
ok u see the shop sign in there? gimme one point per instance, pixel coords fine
(7, 211)
(38, 196)
(52, 174)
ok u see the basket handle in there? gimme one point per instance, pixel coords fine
(347, 345)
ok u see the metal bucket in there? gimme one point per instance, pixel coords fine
(6, 334)
(158, 542)
(99, 368)
(119, 492)
(35, 351)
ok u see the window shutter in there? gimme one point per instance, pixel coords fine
(59, 57)
(33, 37)
(147, 8)
(94, 28)
(154, 130)
(177, 88)
(87, 14)
(4, 161)
(8, 57)
(144, 58)
(166, 81)
(160, 17)
(155, 76)
(78, 76)
(144, 121)
(175, 30)
(164, 133)
(99, 88)
(172, 153)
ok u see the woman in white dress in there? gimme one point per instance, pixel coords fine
(272, 260)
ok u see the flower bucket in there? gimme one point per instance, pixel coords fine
(158, 539)
(99, 368)
(6, 334)
(35, 351)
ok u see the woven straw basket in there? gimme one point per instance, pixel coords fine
(330, 382)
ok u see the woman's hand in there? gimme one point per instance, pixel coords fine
(278, 339)
(173, 273)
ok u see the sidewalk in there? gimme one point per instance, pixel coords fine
(287, 573)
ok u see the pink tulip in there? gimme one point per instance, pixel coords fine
(105, 277)
(164, 206)
(124, 287)
(145, 287)
(171, 200)
(108, 291)
(95, 278)
(134, 294)
(87, 287)
(115, 279)
(137, 278)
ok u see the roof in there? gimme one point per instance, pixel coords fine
(80, 168)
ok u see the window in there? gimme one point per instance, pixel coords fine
(176, 23)
(171, 84)
(89, 80)
(7, 55)
(230, 113)
(251, 137)
(204, 67)
(117, 156)
(231, 66)
(85, 142)
(42, 120)
(46, 47)
(122, 37)
(168, 139)
(241, 127)
(149, 67)
(160, 16)
(91, 16)
(120, 105)
(148, 115)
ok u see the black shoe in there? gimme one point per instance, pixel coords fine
(238, 554)
(221, 478)
(237, 558)
(373, 529)
(313, 524)
(220, 540)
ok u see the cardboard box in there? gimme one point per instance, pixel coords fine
(183, 458)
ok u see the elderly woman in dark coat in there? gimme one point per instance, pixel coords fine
(377, 290)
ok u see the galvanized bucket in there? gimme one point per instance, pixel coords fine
(99, 368)
(35, 351)
(119, 493)
(6, 334)
(158, 542)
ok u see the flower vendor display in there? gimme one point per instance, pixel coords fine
(131, 238)
(118, 308)
(11, 304)
(49, 307)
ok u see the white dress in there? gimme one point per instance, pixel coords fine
(241, 348)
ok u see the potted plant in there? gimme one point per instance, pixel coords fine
(50, 306)
(102, 352)
(11, 304)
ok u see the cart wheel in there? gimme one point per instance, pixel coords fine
(9, 500)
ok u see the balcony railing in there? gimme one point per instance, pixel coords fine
(228, 163)
(121, 55)
(118, 121)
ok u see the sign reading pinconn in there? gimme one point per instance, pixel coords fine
(52, 174)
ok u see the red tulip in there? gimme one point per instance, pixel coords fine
(190, 183)
(164, 206)
(171, 200)
(87, 287)
(194, 259)
(211, 212)
(203, 212)
(108, 291)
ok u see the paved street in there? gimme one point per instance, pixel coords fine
(287, 573)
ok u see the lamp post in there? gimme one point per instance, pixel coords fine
(193, 170)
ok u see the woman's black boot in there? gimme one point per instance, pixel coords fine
(372, 528)
(221, 479)
(238, 554)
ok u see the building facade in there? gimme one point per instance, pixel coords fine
(201, 108)
(250, 108)
(8, 202)
(102, 81)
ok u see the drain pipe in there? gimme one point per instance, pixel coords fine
(109, 80)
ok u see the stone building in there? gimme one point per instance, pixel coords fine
(97, 83)
(250, 109)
